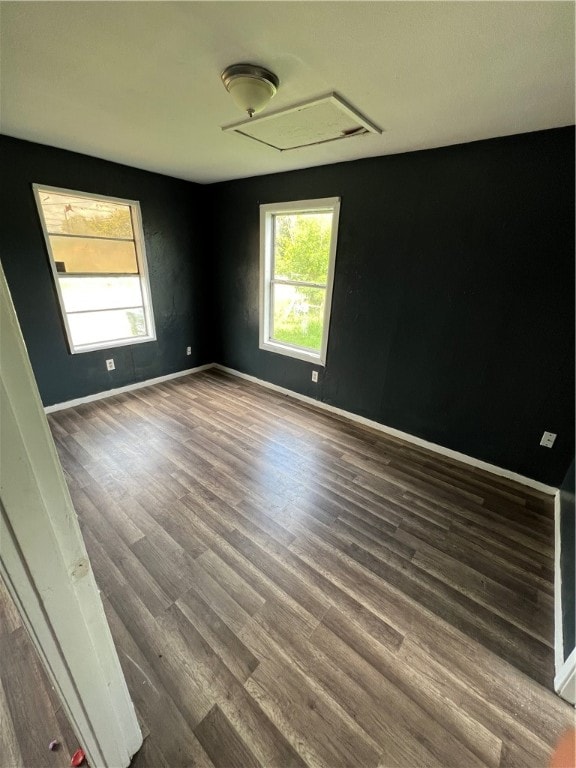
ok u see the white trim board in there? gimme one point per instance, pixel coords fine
(434, 447)
(558, 628)
(565, 671)
(128, 388)
(565, 680)
(46, 569)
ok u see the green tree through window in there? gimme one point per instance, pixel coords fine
(296, 264)
(117, 223)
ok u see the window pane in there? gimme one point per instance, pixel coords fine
(298, 315)
(302, 246)
(77, 254)
(85, 216)
(84, 293)
(114, 325)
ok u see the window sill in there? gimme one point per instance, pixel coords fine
(111, 345)
(300, 354)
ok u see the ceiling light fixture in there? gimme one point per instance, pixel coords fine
(250, 85)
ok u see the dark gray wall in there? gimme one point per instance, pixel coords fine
(174, 223)
(567, 568)
(453, 311)
(453, 308)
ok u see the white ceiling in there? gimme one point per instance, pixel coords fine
(139, 82)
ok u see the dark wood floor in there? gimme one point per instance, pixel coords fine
(30, 712)
(286, 588)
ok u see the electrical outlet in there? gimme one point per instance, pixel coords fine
(188, 350)
(110, 364)
(548, 439)
(315, 377)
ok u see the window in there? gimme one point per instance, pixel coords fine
(297, 250)
(96, 251)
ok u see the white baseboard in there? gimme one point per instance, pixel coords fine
(565, 680)
(128, 388)
(448, 452)
(440, 449)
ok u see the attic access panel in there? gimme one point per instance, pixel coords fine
(325, 119)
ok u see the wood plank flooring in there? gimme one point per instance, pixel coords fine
(30, 714)
(286, 588)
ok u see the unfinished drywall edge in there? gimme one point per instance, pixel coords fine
(406, 436)
(128, 388)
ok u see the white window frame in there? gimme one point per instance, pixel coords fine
(267, 212)
(140, 247)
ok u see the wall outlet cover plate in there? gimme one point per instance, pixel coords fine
(548, 439)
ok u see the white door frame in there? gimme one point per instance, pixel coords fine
(565, 670)
(47, 571)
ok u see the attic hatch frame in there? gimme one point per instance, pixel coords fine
(365, 126)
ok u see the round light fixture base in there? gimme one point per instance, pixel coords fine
(250, 85)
